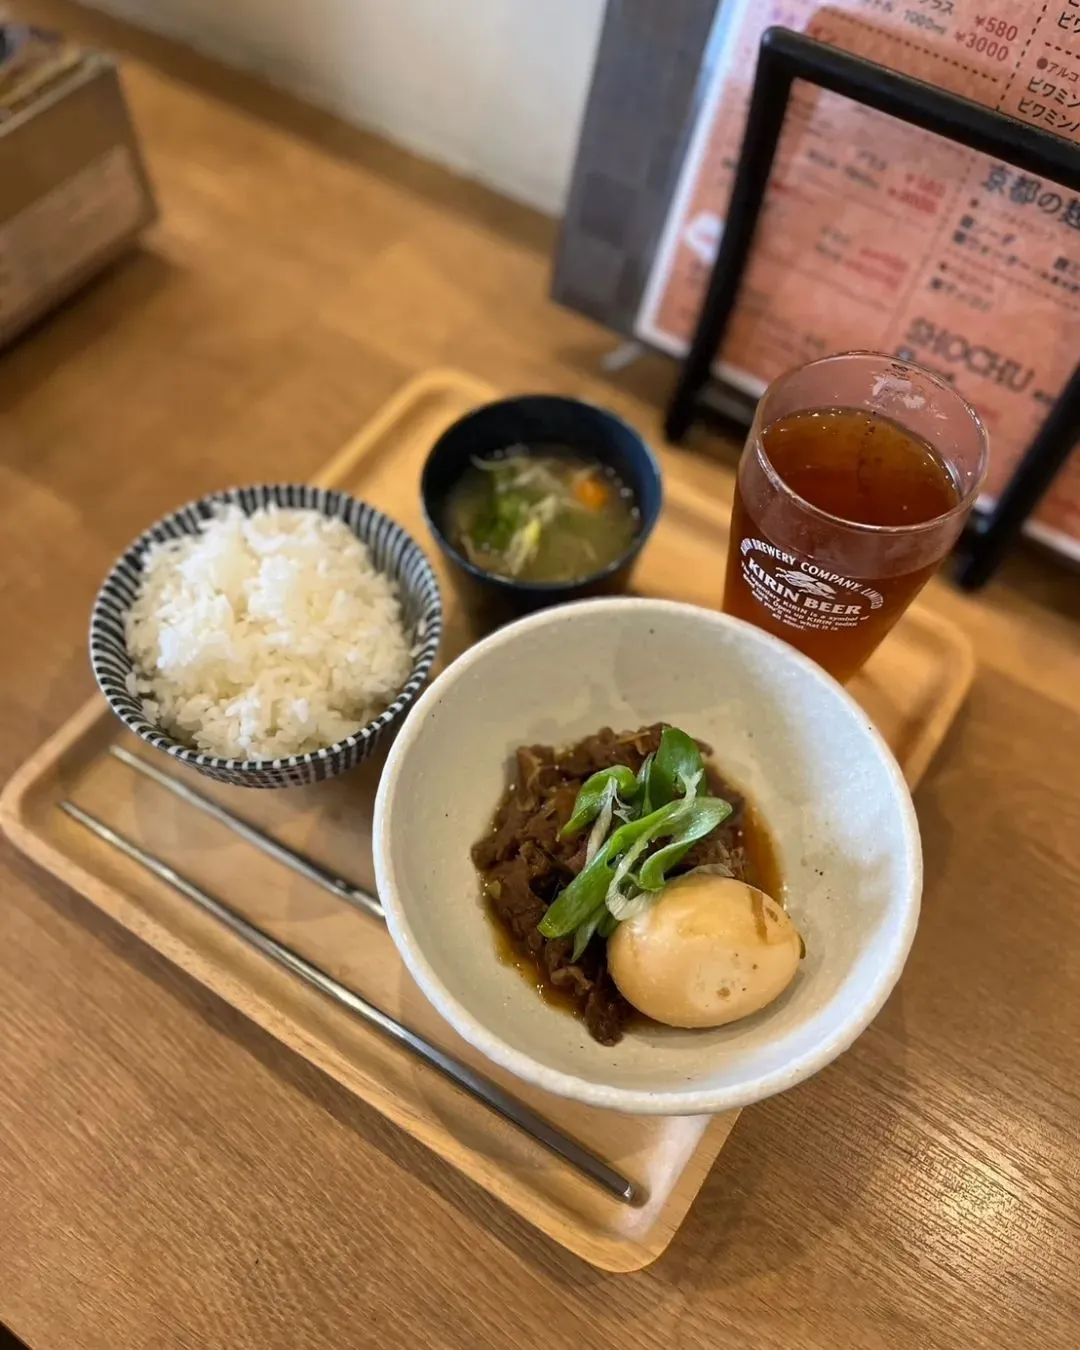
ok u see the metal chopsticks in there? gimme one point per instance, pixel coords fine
(475, 1084)
(299, 862)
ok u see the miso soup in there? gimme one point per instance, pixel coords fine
(542, 514)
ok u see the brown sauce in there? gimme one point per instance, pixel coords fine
(763, 865)
(527, 966)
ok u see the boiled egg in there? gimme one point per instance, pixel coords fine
(708, 951)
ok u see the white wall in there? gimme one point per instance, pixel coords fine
(493, 88)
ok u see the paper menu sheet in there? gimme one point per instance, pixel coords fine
(876, 234)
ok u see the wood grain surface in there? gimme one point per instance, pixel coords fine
(169, 1175)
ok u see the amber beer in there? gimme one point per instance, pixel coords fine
(855, 482)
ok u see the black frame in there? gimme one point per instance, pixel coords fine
(783, 57)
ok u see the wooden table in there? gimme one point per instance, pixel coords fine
(170, 1176)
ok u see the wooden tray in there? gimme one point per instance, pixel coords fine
(912, 687)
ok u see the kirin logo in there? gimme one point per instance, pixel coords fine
(810, 585)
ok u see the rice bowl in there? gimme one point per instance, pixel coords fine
(265, 635)
(389, 617)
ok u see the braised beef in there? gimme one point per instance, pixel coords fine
(606, 1011)
(525, 863)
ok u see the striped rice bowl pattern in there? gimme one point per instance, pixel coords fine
(393, 552)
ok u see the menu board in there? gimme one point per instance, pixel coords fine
(876, 234)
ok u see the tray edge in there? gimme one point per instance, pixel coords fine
(615, 1255)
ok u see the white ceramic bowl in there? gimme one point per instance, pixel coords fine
(838, 808)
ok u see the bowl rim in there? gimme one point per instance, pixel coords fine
(634, 1101)
(242, 768)
(512, 585)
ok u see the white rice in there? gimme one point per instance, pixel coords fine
(265, 635)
